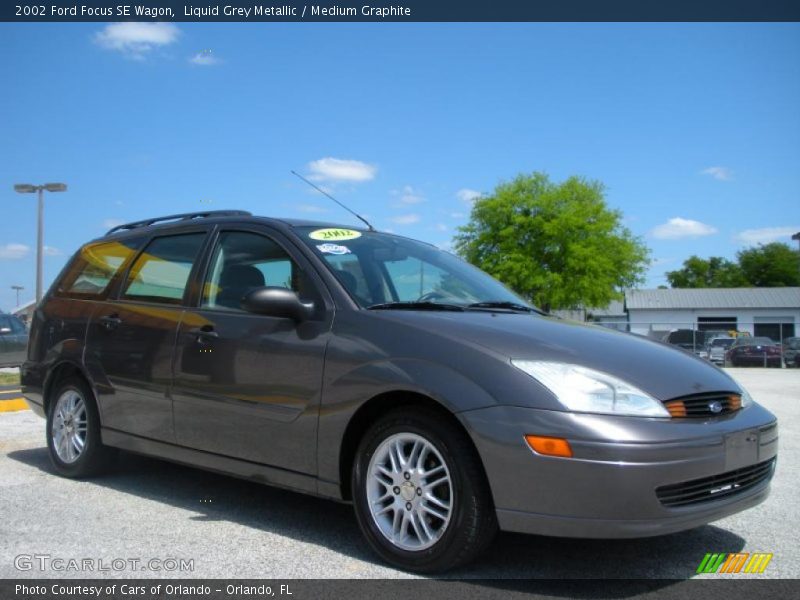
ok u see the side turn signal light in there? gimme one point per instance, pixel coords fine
(549, 446)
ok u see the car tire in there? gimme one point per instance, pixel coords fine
(438, 502)
(73, 431)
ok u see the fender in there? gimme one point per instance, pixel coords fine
(70, 355)
(344, 396)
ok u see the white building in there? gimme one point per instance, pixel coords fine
(25, 311)
(771, 312)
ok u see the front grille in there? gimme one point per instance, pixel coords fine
(715, 487)
(704, 405)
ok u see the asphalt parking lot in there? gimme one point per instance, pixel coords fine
(233, 529)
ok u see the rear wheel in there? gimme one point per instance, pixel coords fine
(73, 431)
(420, 494)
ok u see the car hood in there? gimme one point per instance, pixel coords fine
(659, 369)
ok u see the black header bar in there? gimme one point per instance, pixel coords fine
(404, 11)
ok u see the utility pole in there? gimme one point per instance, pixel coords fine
(27, 188)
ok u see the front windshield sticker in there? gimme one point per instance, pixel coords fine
(333, 249)
(334, 234)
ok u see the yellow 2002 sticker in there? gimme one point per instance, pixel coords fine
(334, 234)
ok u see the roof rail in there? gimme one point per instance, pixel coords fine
(179, 217)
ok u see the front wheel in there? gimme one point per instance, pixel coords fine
(420, 493)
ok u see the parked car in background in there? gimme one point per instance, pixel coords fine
(691, 340)
(791, 351)
(13, 341)
(717, 347)
(755, 351)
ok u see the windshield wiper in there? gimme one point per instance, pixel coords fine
(506, 305)
(414, 306)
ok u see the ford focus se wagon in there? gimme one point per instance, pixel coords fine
(371, 368)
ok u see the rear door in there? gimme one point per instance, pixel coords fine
(248, 386)
(131, 338)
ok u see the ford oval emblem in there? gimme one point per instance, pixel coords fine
(715, 407)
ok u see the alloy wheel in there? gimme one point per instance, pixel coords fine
(69, 426)
(410, 491)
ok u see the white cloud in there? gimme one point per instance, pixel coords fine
(111, 223)
(310, 208)
(409, 195)
(13, 251)
(405, 219)
(765, 235)
(337, 169)
(467, 195)
(681, 228)
(721, 173)
(441, 227)
(50, 251)
(136, 40)
(457, 215)
(205, 59)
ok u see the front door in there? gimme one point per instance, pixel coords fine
(246, 385)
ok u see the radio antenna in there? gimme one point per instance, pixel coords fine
(321, 191)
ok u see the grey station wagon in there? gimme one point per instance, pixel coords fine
(367, 367)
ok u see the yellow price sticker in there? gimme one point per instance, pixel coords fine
(334, 234)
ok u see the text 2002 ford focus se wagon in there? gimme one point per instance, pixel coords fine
(364, 366)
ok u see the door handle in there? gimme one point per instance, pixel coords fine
(110, 322)
(204, 334)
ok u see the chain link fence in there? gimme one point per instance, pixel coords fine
(740, 343)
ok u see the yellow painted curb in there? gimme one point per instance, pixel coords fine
(13, 405)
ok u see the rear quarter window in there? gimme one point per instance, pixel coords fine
(95, 266)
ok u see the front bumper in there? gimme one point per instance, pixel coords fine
(608, 488)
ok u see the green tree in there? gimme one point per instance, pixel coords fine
(556, 243)
(770, 265)
(714, 272)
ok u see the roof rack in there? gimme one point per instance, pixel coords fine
(179, 217)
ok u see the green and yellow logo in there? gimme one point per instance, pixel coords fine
(735, 562)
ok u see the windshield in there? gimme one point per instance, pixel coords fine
(379, 268)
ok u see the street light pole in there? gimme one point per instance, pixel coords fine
(796, 236)
(17, 289)
(27, 188)
(39, 244)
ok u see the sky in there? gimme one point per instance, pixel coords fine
(694, 129)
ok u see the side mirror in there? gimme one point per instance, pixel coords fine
(277, 302)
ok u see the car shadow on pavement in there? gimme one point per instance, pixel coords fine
(330, 524)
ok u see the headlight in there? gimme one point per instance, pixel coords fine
(747, 399)
(586, 390)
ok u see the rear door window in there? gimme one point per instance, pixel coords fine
(161, 272)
